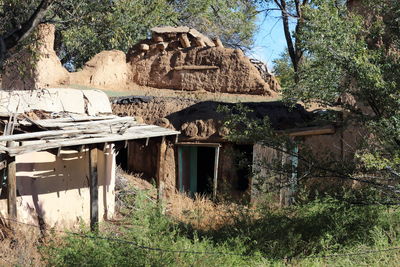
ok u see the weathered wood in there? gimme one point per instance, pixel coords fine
(161, 158)
(170, 29)
(97, 123)
(162, 46)
(215, 180)
(78, 118)
(200, 42)
(25, 136)
(157, 38)
(317, 130)
(138, 134)
(11, 184)
(94, 191)
(184, 40)
(144, 47)
(218, 42)
(196, 67)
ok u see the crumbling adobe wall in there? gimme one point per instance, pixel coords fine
(164, 61)
(36, 66)
(142, 159)
(107, 69)
(175, 58)
(201, 120)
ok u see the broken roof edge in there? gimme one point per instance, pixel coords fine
(90, 102)
(77, 132)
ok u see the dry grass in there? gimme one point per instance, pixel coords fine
(19, 245)
(200, 211)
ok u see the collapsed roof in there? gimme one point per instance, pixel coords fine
(55, 118)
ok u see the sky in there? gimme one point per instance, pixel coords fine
(269, 40)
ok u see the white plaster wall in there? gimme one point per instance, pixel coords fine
(57, 188)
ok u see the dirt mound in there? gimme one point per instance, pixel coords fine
(36, 66)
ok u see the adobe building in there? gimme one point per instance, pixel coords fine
(57, 151)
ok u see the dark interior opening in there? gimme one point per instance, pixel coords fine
(244, 161)
(205, 169)
(122, 158)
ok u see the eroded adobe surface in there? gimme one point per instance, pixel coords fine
(177, 59)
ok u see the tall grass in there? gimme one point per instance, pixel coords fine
(301, 235)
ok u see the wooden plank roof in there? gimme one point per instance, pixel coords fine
(78, 130)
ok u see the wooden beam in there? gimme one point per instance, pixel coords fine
(11, 185)
(161, 167)
(215, 180)
(184, 40)
(94, 191)
(318, 130)
(196, 67)
(158, 131)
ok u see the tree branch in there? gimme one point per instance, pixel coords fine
(18, 35)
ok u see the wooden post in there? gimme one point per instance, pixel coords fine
(184, 40)
(217, 42)
(11, 185)
(200, 42)
(161, 167)
(215, 181)
(94, 191)
(144, 47)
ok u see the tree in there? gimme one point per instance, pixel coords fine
(92, 26)
(233, 21)
(17, 24)
(292, 16)
(84, 28)
(356, 58)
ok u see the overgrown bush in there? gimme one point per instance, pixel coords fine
(153, 241)
(301, 234)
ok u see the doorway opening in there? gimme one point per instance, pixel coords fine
(198, 168)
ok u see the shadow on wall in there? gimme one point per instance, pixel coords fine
(207, 120)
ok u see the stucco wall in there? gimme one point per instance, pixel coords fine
(57, 188)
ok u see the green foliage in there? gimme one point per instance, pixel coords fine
(147, 227)
(233, 21)
(283, 70)
(93, 26)
(87, 27)
(350, 56)
(322, 226)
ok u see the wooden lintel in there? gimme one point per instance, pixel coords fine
(198, 144)
(312, 131)
(94, 191)
(196, 67)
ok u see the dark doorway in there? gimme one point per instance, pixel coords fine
(205, 169)
(196, 166)
(122, 157)
(244, 161)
